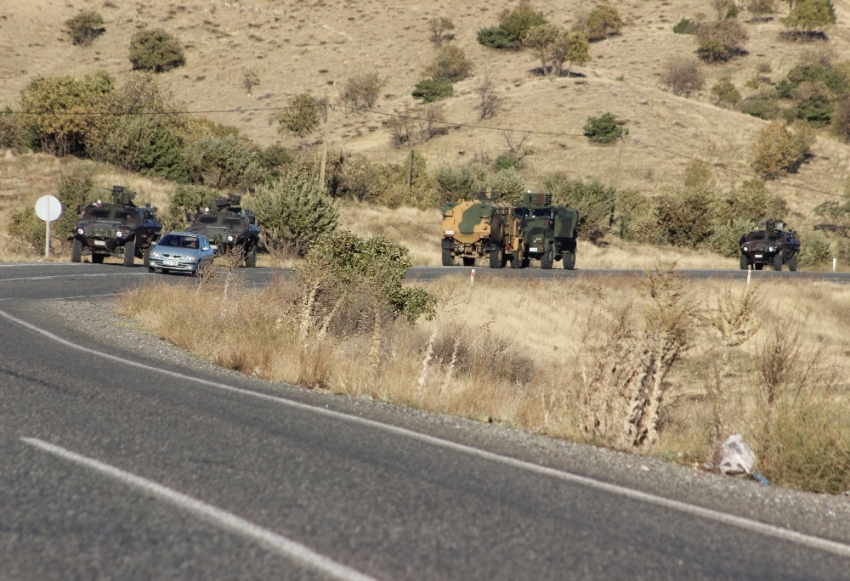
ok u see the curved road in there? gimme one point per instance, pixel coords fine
(117, 463)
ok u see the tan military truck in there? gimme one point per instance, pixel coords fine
(476, 228)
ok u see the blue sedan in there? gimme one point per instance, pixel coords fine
(181, 252)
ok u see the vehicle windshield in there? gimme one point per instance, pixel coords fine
(179, 241)
(756, 236)
(541, 213)
(206, 219)
(235, 222)
(96, 213)
(521, 212)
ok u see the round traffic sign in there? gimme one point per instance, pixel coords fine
(48, 208)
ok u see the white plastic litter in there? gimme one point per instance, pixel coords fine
(736, 456)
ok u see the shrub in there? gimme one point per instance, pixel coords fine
(24, 226)
(361, 91)
(293, 211)
(185, 202)
(450, 63)
(506, 161)
(438, 27)
(85, 27)
(460, 182)
(726, 92)
(721, 7)
(777, 150)
(495, 37)
(517, 22)
(814, 104)
(633, 215)
(841, 118)
(594, 201)
(683, 76)
(720, 41)
(489, 100)
(226, 161)
(684, 218)
(697, 174)
(430, 90)
(348, 264)
(603, 21)
(603, 129)
(758, 8)
(685, 26)
(726, 237)
(751, 202)
(353, 177)
(303, 115)
(763, 106)
(250, 79)
(12, 133)
(508, 184)
(814, 249)
(155, 50)
(808, 16)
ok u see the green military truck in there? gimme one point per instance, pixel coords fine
(548, 233)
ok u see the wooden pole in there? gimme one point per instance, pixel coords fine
(410, 171)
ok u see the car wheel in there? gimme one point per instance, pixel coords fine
(792, 263)
(76, 250)
(129, 252)
(777, 262)
(251, 258)
(97, 258)
(745, 262)
(448, 259)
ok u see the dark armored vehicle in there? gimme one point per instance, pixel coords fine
(770, 244)
(119, 229)
(228, 227)
(548, 233)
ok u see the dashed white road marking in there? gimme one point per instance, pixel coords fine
(834, 547)
(226, 520)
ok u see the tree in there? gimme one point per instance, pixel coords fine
(438, 28)
(450, 63)
(489, 99)
(250, 79)
(519, 21)
(683, 76)
(603, 129)
(85, 27)
(777, 150)
(572, 48)
(807, 16)
(224, 161)
(541, 40)
(155, 50)
(721, 40)
(361, 91)
(303, 115)
(602, 22)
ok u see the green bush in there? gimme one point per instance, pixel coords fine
(814, 249)
(24, 226)
(293, 211)
(450, 63)
(495, 37)
(12, 133)
(594, 201)
(303, 115)
(508, 184)
(731, 12)
(725, 239)
(685, 218)
(155, 50)
(430, 90)
(685, 26)
(460, 182)
(228, 161)
(726, 92)
(352, 265)
(506, 161)
(603, 129)
(185, 202)
(762, 106)
(807, 16)
(603, 21)
(751, 202)
(633, 211)
(84, 27)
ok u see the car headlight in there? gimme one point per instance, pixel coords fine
(190, 258)
(80, 231)
(230, 238)
(745, 249)
(155, 254)
(119, 234)
(771, 248)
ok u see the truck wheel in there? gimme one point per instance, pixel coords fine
(251, 259)
(792, 263)
(147, 256)
(777, 262)
(497, 258)
(547, 259)
(129, 252)
(468, 261)
(517, 259)
(569, 260)
(448, 259)
(497, 229)
(76, 250)
(745, 262)
(97, 258)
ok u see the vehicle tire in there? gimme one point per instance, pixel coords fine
(469, 261)
(497, 229)
(759, 266)
(497, 258)
(448, 259)
(517, 260)
(569, 260)
(547, 259)
(251, 258)
(745, 262)
(146, 256)
(97, 258)
(165, 271)
(151, 269)
(76, 250)
(792, 263)
(777, 262)
(129, 252)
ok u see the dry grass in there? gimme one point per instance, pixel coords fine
(483, 360)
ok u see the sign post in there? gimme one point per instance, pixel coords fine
(48, 208)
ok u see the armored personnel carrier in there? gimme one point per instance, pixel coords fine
(120, 229)
(475, 228)
(548, 233)
(227, 226)
(770, 244)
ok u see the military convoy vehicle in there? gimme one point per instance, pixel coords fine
(770, 244)
(120, 229)
(228, 227)
(473, 229)
(548, 233)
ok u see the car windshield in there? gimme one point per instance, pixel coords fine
(179, 241)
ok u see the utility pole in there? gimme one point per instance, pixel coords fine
(328, 109)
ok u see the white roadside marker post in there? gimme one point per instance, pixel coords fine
(834, 264)
(48, 208)
(472, 277)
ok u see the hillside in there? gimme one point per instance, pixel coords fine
(295, 46)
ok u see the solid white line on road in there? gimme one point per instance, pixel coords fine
(71, 276)
(210, 513)
(835, 547)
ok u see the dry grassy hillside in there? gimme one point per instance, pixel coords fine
(297, 45)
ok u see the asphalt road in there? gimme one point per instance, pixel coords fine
(116, 463)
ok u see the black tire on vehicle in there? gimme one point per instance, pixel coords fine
(151, 269)
(251, 258)
(129, 252)
(97, 258)
(146, 256)
(547, 259)
(745, 262)
(777, 262)
(165, 271)
(76, 250)
(497, 229)
(448, 259)
(517, 260)
(497, 258)
(469, 261)
(569, 260)
(792, 263)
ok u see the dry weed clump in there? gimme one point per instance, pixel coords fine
(660, 366)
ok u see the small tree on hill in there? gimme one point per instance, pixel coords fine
(572, 48)
(303, 115)
(777, 150)
(683, 76)
(602, 22)
(450, 63)
(516, 23)
(155, 50)
(361, 91)
(720, 41)
(85, 27)
(808, 16)
(438, 27)
(603, 129)
(542, 40)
